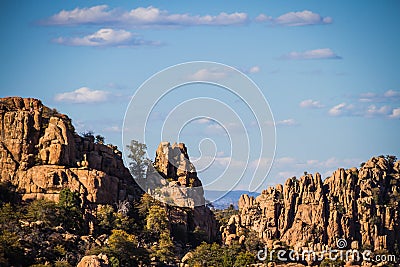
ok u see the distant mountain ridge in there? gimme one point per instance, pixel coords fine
(228, 198)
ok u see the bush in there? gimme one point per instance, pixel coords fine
(11, 251)
(244, 259)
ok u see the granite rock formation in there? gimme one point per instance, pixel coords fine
(358, 205)
(175, 179)
(40, 154)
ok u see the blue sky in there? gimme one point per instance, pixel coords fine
(329, 69)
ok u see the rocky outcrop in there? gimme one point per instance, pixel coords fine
(358, 205)
(100, 260)
(40, 154)
(174, 181)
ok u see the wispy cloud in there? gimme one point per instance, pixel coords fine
(83, 95)
(370, 111)
(388, 96)
(309, 103)
(323, 53)
(254, 69)
(301, 18)
(113, 129)
(286, 122)
(209, 75)
(250, 70)
(141, 16)
(373, 110)
(105, 38)
(340, 109)
(391, 93)
(203, 121)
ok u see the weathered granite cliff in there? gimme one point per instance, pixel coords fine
(40, 154)
(177, 181)
(358, 205)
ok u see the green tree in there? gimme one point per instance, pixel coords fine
(207, 255)
(9, 217)
(146, 202)
(157, 220)
(139, 163)
(229, 254)
(42, 210)
(105, 218)
(164, 249)
(124, 247)
(70, 212)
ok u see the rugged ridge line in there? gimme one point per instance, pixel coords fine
(359, 205)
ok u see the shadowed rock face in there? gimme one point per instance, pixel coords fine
(359, 205)
(41, 154)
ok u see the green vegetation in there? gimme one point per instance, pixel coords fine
(221, 256)
(40, 232)
(223, 216)
(138, 162)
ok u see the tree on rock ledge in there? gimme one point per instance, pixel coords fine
(139, 163)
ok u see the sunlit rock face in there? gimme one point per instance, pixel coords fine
(359, 205)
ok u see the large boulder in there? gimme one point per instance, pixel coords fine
(100, 260)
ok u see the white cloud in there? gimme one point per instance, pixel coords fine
(340, 109)
(388, 96)
(392, 93)
(254, 69)
(287, 122)
(262, 18)
(89, 15)
(83, 95)
(226, 128)
(301, 18)
(203, 121)
(395, 114)
(309, 103)
(209, 75)
(141, 16)
(114, 129)
(373, 110)
(105, 37)
(323, 53)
